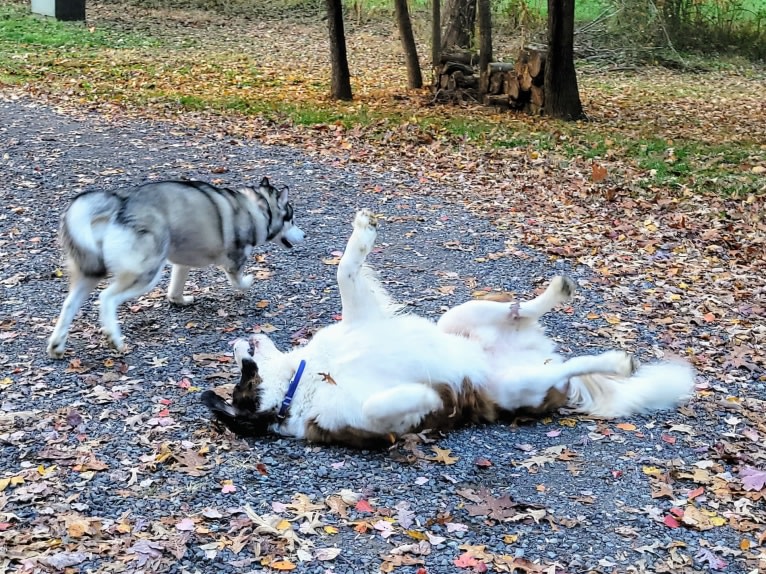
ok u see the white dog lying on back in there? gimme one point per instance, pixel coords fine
(378, 373)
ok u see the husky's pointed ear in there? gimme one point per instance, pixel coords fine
(283, 199)
(265, 182)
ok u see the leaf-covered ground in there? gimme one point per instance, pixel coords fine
(656, 207)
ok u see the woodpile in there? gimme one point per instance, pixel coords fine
(517, 86)
(455, 79)
(520, 85)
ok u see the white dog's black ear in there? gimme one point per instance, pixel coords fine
(218, 406)
(265, 182)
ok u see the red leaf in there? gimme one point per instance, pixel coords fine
(465, 560)
(670, 439)
(363, 506)
(671, 522)
(696, 492)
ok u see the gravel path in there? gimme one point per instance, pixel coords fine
(123, 471)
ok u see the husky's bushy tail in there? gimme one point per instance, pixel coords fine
(79, 235)
(652, 387)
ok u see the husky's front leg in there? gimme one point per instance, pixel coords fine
(178, 276)
(233, 269)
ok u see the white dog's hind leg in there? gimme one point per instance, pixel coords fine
(401, 406)
(178, 276)
(527, 385)
(559, 290)
(471, 315)
(79, 289)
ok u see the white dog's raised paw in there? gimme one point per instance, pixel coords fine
(364, 219)
(621, 363)
(564, 286)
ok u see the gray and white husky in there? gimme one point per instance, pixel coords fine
(130, 233)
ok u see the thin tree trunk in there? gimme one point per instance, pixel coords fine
(562, 98)
(485, 44)
(340, 84)
(414, 77)
(436, 32)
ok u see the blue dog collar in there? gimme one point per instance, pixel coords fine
(291, 391)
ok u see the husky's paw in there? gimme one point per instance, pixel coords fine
(563, 286)
(115, 339)
(56, 348)
(620, 363)
(181, 300)
(245, 282)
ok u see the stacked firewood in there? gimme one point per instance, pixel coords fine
(520, 85)
(516, 85)
(455, 79)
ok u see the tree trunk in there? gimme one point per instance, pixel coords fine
(562, 98)
(414, 77)
(436, 32)
(485, 44)
(461, 17)
(340, 84)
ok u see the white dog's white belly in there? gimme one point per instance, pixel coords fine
(349, 366)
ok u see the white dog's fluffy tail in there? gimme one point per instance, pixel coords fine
(651, 387)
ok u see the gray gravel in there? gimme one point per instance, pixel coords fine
(47, 157)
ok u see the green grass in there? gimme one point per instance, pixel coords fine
(19, 29)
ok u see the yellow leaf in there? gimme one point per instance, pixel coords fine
(282, 565)
(262, 304)
(744, 545)
(330, 530)
(612, 319)
(16, 480)
(510, 538)
(284, 525)
(651, 470)
(6, 381)
(626, 426)
(4, 482)
(416, 535)
(443, 455)
(568, 422)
